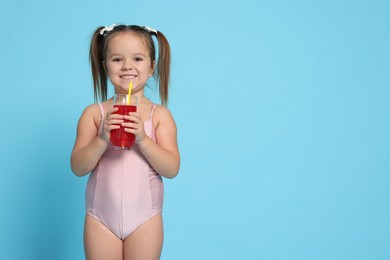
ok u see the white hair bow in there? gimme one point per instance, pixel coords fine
(150, 30)
(107, 29)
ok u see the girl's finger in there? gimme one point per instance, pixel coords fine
(130, 125)
(114, 122)
(133, 118)
(112, 110)
(115, 116)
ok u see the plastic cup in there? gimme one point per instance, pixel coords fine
(120, 139)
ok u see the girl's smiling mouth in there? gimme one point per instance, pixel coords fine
(128, 76)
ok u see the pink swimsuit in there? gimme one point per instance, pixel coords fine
(124, 191)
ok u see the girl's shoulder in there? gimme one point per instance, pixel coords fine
(161, 111)
(92, 110)
(162, 115)
(92, 113)
(96, 109)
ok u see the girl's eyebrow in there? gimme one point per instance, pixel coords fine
(139, 53)
(114, 54)
(135, 54)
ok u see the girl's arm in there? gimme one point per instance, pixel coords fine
(164, 155)
(89, 146)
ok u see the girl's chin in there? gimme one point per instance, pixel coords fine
(122, 90)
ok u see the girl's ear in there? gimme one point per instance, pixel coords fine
(152, 69)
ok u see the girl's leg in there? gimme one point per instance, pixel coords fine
(100, 243)
(146, 241)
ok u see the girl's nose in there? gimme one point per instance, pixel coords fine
(127, 65)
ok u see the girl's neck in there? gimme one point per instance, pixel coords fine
(141, 99)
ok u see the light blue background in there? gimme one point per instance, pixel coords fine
(283, 116)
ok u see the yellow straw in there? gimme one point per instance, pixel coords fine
(128, 96)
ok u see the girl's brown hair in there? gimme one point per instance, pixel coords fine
(97, 54)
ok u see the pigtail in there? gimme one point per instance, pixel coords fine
(163, 67)
(96, 57)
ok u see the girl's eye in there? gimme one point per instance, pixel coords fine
(139, 59)
(116, 59)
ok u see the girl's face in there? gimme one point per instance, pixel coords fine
(128, 59)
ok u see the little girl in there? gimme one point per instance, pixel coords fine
(124, 195)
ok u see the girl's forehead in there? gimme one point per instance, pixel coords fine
(126, 39)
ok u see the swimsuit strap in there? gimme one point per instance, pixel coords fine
(102, 117)
(152, 110)
(101, 109)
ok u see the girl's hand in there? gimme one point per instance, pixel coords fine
(111, 121)
(135, 126)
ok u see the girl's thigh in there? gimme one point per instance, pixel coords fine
(146, 241)
(100, 242)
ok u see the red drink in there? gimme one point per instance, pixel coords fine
(118, 137)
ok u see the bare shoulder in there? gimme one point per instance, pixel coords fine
(93, 108)
(162, 115)
(91, 114)
(162, 111)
